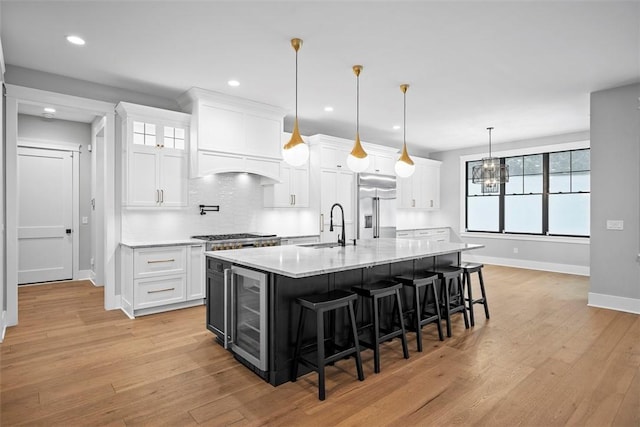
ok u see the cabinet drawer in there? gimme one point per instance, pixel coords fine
(152, 262)
(152, 292)
(404, 234)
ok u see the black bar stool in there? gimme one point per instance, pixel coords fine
(451, 302)
(468, 268)
(374, 292)
(321, 304)
(420, 315)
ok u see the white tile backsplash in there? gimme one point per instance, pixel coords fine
(239, 196)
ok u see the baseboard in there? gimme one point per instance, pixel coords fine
(84, 275)
(613, 302)
(579, 270)
(3, 324)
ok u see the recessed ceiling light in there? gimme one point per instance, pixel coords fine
(49, 110)
(233, 83)
(328, 109)
(396, 127)
(79, 41)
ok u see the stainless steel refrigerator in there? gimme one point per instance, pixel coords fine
(376, 206)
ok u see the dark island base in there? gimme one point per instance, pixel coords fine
(284, 312)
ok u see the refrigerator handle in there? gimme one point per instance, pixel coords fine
(227, 273)
(376, 212)
(377, 217)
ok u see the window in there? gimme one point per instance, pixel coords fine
(174, 138)
(547, 193)
(144, 133)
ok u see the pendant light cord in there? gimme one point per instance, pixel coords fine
(358, 104)
(489, 129)
(296, 84)
(404, 119)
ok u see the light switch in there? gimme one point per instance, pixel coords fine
(85, 220)
(615, 224)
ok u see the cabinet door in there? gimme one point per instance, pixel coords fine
(279, 195)
(382, 163)
(405, 192)
(142, 179)
(195, 276)
(300, 187)
(332, 157)
(431, 176)
(220, 129)
(262, 136)
(328, 196)
(173, 179)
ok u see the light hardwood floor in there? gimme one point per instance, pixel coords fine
(543, 359)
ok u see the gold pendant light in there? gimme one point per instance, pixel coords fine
(358, 160)
(296, 152)
(404, 166)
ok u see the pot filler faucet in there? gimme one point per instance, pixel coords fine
(341, 239)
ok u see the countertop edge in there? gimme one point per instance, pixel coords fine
(186, 242)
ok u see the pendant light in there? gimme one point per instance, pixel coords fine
(358, 160)
(404, 166)
(296, 152)
(491, 173)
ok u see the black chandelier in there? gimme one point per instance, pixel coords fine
(491, 173)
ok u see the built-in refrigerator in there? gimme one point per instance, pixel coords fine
(376, 206)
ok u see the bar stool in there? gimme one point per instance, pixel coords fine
(320, 304)
(446, 276)
(468, 268)
(374, 292)
(420, 315)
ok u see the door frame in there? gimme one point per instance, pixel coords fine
(75, 191)
(109, 234)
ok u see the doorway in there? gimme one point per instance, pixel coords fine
(47, 206)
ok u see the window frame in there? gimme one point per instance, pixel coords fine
(501, 233)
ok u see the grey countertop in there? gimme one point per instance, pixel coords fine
(303, 261)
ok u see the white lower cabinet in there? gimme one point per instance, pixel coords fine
(161, 278)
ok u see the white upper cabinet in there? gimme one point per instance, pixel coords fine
(155, 145)
(292, 191)
(381, 163)
(422, 189)
(229, 128)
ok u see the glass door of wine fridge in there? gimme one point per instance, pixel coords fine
(248, 319)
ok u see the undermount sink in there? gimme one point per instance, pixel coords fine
(322, 245)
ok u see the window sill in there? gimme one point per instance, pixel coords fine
(548, 239)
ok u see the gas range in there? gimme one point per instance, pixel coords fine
(217, 242)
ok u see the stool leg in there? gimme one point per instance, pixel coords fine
(354, 330)
(417, 316)
(405, 349)
(321, 357)
(484, 295)
(467, 281)
(464, 307)
(375, 302)
(296, 354)
(439, 323)
(447, 301)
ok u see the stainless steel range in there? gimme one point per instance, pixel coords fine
(218, 242)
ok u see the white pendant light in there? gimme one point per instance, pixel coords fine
(296, 152)
(404, 166)
(357, 160)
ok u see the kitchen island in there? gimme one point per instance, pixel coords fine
(251, 292)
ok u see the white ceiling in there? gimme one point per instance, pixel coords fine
(526, 68)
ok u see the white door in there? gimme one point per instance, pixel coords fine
(45, 200)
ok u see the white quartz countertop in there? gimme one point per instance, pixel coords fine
(154, 244)
(300, 261)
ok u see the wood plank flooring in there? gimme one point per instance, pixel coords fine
(543, 359)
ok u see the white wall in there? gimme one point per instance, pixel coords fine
(550, 254)
(240, 197)
(73, 133)
(615, 195)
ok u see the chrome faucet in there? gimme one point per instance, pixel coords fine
(342, 240)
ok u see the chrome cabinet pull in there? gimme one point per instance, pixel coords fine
(157, 196)
(161, 196)
(294, 200)
(321, 223)
(156, 261)
(161, 290)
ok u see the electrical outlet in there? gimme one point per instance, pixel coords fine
(515, 250)
(85, 220)
(91, 261)
(615, 224)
